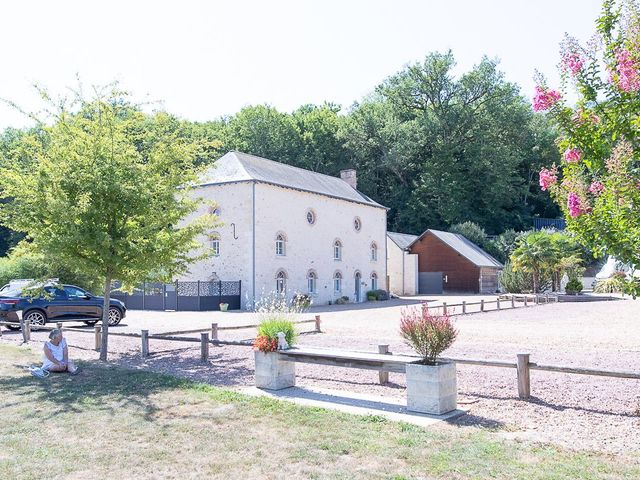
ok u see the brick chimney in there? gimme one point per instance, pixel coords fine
(349, 176)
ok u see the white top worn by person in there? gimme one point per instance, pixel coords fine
(56, 354)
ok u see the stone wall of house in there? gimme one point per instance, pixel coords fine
(310, 247)
(234, 203)
(399, 264)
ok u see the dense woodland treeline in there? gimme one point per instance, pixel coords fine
(436, 149)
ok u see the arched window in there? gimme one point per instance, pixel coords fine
(337, 250)
(281, 281)
(374, 252)
(312, 282)
(214, 240)
(337, 282)
(281, 241)
(374, 281)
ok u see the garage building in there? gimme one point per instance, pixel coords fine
(449, 262)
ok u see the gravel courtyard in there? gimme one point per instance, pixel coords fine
(575, 411)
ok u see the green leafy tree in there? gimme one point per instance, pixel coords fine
(534, 255)
(106, 192)
(600, 135)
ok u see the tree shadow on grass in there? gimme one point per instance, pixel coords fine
(96, 387)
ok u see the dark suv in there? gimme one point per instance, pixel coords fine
(61, 303)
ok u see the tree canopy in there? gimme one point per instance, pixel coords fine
(104, 189)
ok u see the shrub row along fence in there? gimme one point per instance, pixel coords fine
(513, 301)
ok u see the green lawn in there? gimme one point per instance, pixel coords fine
(114, 423)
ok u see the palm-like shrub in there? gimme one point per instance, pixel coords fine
(614, 284)
(428, 334)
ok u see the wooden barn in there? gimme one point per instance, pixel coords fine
(448, 262)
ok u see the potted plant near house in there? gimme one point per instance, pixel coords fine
(271, 372)
(224, 307)
(431, 383)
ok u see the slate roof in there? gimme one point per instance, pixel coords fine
(242, 167)
(402, 240)
(464, 247)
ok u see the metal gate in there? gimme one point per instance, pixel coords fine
(183, 296)
(430, 283)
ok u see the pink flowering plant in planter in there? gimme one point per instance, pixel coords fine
(598, 182)
(427, 333)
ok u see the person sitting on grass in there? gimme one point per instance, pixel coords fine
(56, 354)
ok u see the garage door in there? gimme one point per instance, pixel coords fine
(430, 283)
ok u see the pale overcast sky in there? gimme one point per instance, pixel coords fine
(205, 59)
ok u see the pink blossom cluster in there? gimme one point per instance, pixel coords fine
(572, 63)
(572, 155)
(574, 205)
(547, 178)
(627, 70)
(544, 99)
(596, 188)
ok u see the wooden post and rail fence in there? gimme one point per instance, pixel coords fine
(522, 365)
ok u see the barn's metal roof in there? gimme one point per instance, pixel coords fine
(242, 167)
(402, 240)
(464, 247)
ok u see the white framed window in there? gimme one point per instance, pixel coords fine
(214, 240)
(374, 252)
(374, 281)
(337, 250)
(281, 281)
(337, 282)
(357, 224)
(281, 245)
(311, 217)
(312, 282)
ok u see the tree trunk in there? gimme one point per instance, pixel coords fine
(536, 281)
(105, 318)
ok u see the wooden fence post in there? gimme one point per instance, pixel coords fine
(444, 308)
(482, 305)
(384, 376)
(214, 331)
(546, 298)
(144, 337)
(464, 307)
(498, 303)
(98, 337)
(537, 299)
(513, 301)
(204, 346)
(524, 377)
(525, 301)
(318, 324)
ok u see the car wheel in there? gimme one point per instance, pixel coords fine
(91, 323)
(115, 315)
(36, 318)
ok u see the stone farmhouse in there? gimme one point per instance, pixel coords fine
(291, 230)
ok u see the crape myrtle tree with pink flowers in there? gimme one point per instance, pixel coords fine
(597, 182)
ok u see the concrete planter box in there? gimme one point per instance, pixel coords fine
(432, 388)
(272, 373)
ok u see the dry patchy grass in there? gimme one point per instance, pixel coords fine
(115, 423)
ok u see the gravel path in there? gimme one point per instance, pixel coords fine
(575, 411)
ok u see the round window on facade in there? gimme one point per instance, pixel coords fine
(311, 217)
(357, 224)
